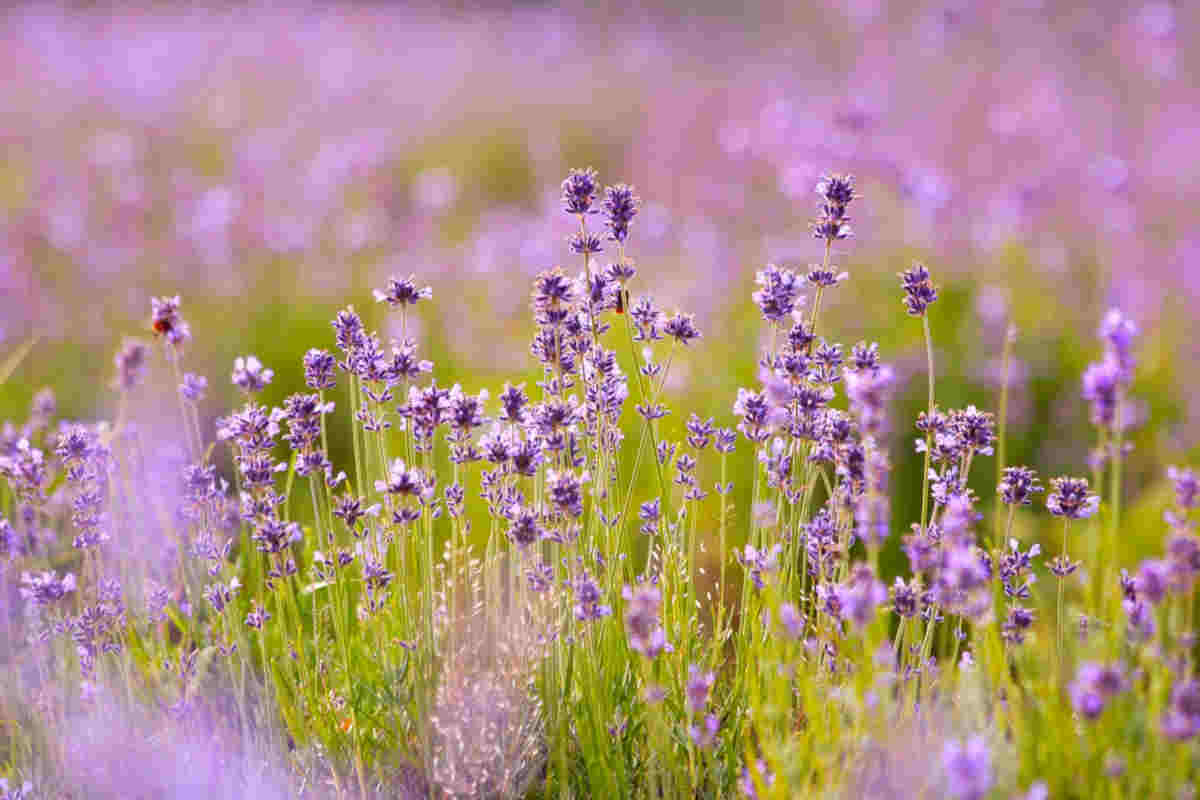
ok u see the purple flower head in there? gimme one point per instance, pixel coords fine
(682, 328)
(10, 544)
(919, 291)
(585, 243)
(906, 597)
(869, 392)
(647, 318)
(699, 683)
(348, 331)
(76, 444)
(579, 191)
(967, 767)
(779, 292)
(746, 783)
(864, 357)
(621, 273)
(193, 387)
(46, 588)
(274, 536)
(837, 192)
(1140, 616)
(704, 733)
(1118, 332)
(649, 513)
(824, 278)
(130, 362)
(1018, 486)
(167, 322)
(792, 620)
(319, 369)
(759, 562)
(1094, 685)
(402, 292)
(1182, 719)
(620, 206)
(250, 375)
(642, 606)
(1070, 498)
(1100, 382)
(861, 595)
(587, 599)
(22, 792)
(512, 403)
(257, 617)
(1017, 624)
(1187, 487)
(524, 525)
(756, 412)
(1153, 580)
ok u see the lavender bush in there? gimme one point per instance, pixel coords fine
(556, 593)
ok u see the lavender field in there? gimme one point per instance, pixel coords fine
(585, 401)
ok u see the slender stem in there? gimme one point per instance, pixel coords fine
(1061, 586)
(929, 419)
(1002, 422)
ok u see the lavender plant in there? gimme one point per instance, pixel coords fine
(513, 599)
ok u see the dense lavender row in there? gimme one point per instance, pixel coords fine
(553, 594)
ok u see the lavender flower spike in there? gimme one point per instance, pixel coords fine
(402, 292)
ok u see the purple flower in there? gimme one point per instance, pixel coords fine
(682, 328)
(579, 190)
(193, 387)
(1182, 719)
(779, 294)
(869, 392)
(699, 683)
(968, 768)
(642, 606)
(131, 363)
(906, 597)
(620, 206)
(402, 292)
(1153, 580)
(1018, 486)
(1100, 383)
(22, 792)
(46, 588)
(1187, 487)
(824, 278)
(524, 525)
(1094, 685)
(1118, 332)
(257, 617)
(319, 369)
(1070, 498)
(837, 192)
(759, 562)
(919, 291)
(587, 599)
(166, 320)
(1018, 622)
(792, 620)
(864, 357)
(747, 781)
(250, 375)
(704, 733)
(860, 595)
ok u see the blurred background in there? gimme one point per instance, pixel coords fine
(273, 164)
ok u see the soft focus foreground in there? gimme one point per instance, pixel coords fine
(649, 562)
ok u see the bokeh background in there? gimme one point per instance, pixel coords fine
(272, 165)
